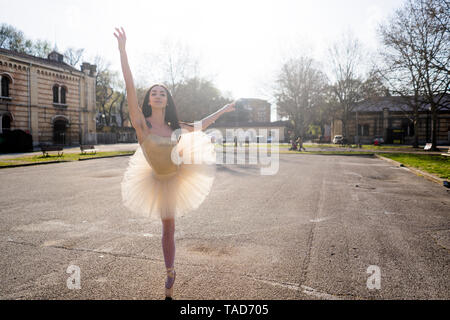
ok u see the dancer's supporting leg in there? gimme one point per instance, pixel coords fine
(168, 246)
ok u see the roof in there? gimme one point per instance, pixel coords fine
(58, 64)
(393, 104)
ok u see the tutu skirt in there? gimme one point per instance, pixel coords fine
(165, 196)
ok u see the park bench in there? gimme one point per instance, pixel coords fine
(46, 148)
(428, 146)
(87, 147)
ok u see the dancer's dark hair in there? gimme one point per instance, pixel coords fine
(170, 116)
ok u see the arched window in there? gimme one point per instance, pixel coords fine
(5, 86)
(55, 94)
(59, 95)
(63, 95)
(5, 121)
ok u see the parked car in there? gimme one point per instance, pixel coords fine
(338, 139)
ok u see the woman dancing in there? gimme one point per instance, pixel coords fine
(156, 183)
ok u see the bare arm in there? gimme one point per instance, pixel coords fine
(207, 121)
(136, 116)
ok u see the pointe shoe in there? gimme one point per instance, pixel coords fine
(169, 291)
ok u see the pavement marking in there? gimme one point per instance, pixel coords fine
(148, 235)
(297, 287)
(320, 219)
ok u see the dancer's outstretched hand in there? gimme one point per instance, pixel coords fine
(121, 38)
(230, 107)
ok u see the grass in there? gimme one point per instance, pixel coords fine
(53, 157)
(434, 164)
(364, 146)
(328, 152)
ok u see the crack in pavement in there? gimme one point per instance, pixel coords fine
(301, 288)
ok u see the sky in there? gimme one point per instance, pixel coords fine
(239, 44)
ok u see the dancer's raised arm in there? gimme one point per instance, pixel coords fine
(207, 121)
(136, 115)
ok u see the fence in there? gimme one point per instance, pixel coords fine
(116, 137)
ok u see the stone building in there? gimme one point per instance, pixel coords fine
(47, 98)
(259, 110)
(389, 118)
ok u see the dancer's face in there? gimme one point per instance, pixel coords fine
(158, 97)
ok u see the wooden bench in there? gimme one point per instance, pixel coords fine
(87, 147)
(45, 149)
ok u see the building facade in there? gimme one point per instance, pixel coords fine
(258, 109)
(47, 98)
(389, 118)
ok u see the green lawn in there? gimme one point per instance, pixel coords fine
(54, 157)
(434, 164)
(329, 152)
(364, 146)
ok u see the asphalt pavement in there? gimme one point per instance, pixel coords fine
(322, 227)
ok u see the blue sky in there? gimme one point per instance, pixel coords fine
(239, 44)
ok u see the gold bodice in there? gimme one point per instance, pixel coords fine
(157, 150)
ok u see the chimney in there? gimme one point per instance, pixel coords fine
(55, 56)
(86, 67)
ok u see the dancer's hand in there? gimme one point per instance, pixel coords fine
(229, 107)
(121, 38)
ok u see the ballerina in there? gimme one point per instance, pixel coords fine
(156, 183)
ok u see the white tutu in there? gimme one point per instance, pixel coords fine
(156, 186)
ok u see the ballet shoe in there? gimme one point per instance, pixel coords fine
(169, 291)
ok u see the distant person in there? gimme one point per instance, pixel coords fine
(293, 145)
(300, 144)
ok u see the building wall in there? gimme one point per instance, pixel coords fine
(379, 124)
(31, 103)
(260, 110)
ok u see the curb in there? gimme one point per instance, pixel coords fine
(118, 155)
(59, 161)
(33, 164)
(416, 171)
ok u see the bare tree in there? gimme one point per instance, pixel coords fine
(73, 56)
(172, 65)
(345, 57)
(418, 40)
(300, 88)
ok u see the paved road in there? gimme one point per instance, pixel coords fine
(309, 232)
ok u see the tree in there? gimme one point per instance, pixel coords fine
(417, 38)
(300, 88)
(345, 58)
(14, 40)
(73, 56)
(172, 66)
(197, 98)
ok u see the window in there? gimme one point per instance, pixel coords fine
(363, 130)
(55, 94)
(63, 95)
(5, 86)
(59, 95)
(5, 121)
